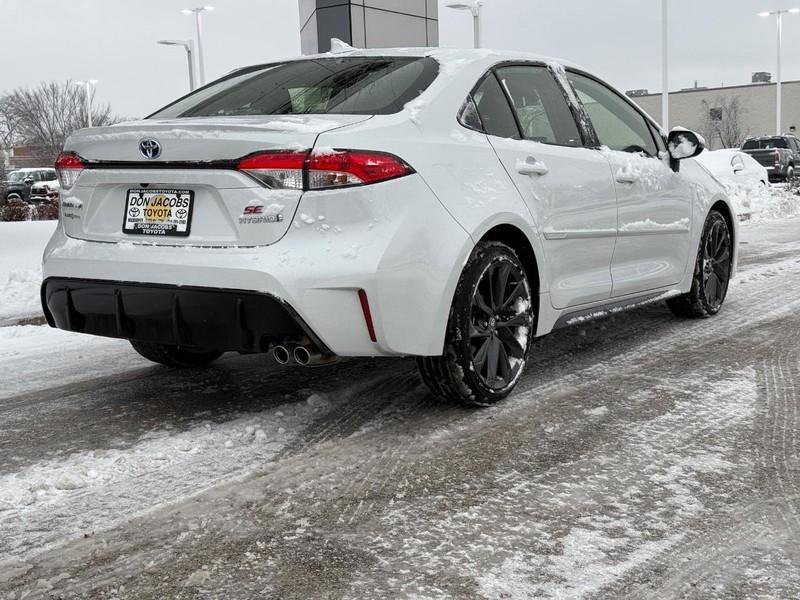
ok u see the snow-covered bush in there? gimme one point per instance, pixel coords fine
(15, 210)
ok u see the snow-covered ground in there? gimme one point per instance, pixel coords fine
(642, 457)
(21, 248)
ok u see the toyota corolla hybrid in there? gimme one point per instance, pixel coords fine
(447, 205)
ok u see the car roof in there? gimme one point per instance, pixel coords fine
(444, 56)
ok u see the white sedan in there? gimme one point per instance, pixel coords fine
(450, 205)
(734, 166)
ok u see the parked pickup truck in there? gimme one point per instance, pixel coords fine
(780, 154)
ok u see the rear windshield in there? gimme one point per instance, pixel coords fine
(346, 85)
(765, 144)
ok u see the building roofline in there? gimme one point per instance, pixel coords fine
(716, 89)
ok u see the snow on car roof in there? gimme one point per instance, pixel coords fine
(442, 55)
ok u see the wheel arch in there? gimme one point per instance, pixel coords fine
(724, 209)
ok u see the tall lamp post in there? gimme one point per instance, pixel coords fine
(198, 19)
(88, 87)
(188, 45)
(665, 64)
(779, 108)
(474, 6)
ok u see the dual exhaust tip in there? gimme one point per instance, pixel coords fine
(304, 355)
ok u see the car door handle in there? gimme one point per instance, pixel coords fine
(625, 176)
(531, 166)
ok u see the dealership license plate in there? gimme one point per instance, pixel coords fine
(158, 212)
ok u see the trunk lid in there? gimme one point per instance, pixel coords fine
(196, 156)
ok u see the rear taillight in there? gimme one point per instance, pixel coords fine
(277, 170)
(777, 157)
(321, 170)
(68, 168)
(337, 168)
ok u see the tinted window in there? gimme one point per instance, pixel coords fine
(617, 124)
(349, 85)
(494, 110)
(765, 144)
(468, 115)
(543, 113)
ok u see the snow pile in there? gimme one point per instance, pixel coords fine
(756, 202)
(21, 248)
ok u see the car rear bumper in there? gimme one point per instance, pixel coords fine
(225, 320)
(394, 240)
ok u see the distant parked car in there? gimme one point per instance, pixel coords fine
(734, 166)
(779, 154)
(17, 185)
(44, 191)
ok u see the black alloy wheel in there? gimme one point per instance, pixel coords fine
(489, 331)
(716, 264)
(712, 272)
(500, 325)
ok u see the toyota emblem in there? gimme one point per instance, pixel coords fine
(150, 148)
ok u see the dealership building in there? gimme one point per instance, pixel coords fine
(700, 108)
(368, 23)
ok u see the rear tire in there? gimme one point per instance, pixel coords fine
(712, 272)
(790, 174)
(176, 356)
(489, 331)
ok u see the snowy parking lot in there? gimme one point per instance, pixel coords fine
(641, 457)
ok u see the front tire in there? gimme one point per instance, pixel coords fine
(489, 331)
(712, 272)
(176, 356)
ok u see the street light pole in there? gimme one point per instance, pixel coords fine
(88, 86)
(475, 8)
(779, 91)
(665, 64)
(187, 45)
(198, 20)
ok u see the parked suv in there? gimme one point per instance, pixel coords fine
(18, 184)
(450, 205)
(780, 154)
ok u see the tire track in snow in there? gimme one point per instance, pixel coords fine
(717, 557)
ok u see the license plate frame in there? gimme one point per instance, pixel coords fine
(172, 224)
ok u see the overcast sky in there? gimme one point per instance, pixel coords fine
(113, 41)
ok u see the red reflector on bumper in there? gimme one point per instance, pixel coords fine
(362, 296)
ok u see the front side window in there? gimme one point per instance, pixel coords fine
(617, 124)
(493, 109)
(344, 85)
(541, 108)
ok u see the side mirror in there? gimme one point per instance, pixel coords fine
(28, 181)
(685, 144)
(737, 167)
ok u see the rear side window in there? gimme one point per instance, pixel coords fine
(541, 108)
(493, 109)
(617, 124)
(345, 85)
(765, 144)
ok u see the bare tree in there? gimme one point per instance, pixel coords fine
(43, 117)
(723, 122)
